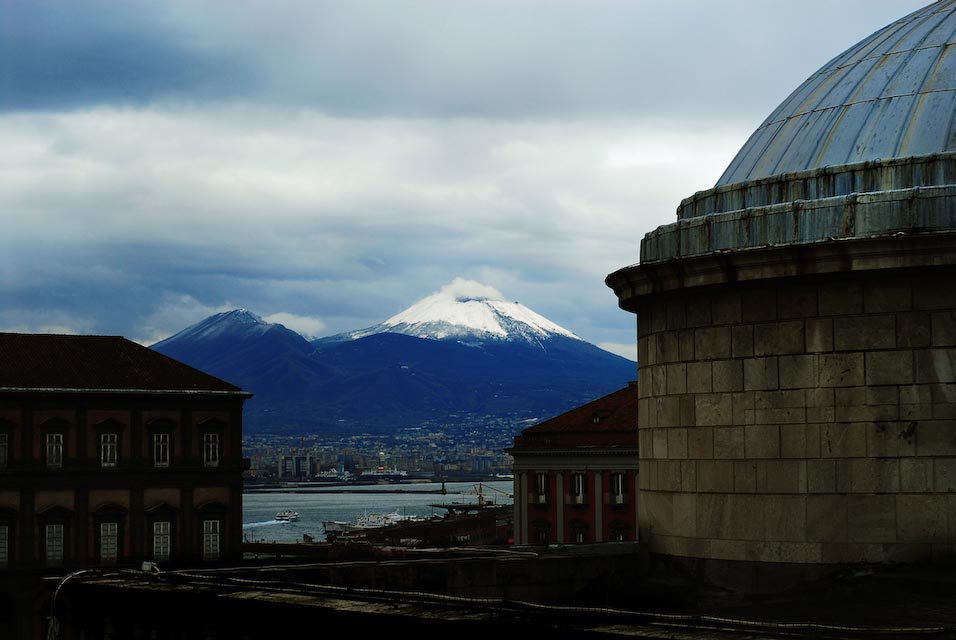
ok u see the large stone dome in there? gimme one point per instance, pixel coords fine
(796, 326)
(866, 147)
(892, 95)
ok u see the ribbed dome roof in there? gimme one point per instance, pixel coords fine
(893, 95)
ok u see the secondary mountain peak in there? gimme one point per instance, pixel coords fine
(238, 322)
(469, 311)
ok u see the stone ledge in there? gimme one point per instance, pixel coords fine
(856, 215)
(854, 255)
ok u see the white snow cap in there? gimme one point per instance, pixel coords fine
(469, 307)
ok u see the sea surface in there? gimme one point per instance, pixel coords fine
(347, 503)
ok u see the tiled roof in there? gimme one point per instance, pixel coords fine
(609, 420)
(95, 363)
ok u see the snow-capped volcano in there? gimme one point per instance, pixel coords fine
(468, 311)
(462, 356)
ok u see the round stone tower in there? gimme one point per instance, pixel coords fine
(796, 325)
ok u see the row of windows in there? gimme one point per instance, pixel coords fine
(541, 534)
(579, 487)
(109, 449)
(110, 544)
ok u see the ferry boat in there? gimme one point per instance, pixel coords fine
(287, 516)
(368, 521)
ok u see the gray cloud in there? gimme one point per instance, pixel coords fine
(420, 58)
(330, 163)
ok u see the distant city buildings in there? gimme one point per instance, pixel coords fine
(471, 451)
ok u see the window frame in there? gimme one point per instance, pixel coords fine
(155, 428)
(161, 462)
(167, 554)
(8, 523)
(162, 512)
(211, 452)
(540, 532)
(620, 531)
(7, 431)
(580, 531)
(53, 428)
(109, 449)
(46, 522)
(618, 483)
(115, 515)
(5, 545)
(211, 539)
(542, 487)
(210, 449)
(54, 560)
(109, 453)
(109, 542)
(579, 488)
(211, 442)
(50, 445)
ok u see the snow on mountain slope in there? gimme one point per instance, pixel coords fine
(238, 322)
(467, 311)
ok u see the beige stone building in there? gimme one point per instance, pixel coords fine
(796, 324)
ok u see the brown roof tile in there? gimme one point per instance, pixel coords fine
(611, 419)
(47, 361)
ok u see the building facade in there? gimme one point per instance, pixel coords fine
(111, 454)
(797, 325)
(575, 475)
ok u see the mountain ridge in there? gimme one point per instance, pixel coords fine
(482, 362)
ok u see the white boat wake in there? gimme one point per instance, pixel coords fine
(250, 525)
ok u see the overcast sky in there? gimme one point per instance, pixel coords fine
(326, 164)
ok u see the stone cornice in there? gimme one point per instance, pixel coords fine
(800, 222)
(898, 251)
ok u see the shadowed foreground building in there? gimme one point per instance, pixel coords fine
(796, 326)
(576, 474)
(111, 454)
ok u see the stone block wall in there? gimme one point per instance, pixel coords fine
(800, 420)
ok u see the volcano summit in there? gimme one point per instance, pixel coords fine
(461, 356)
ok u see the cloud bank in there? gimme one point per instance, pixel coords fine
(326, 164)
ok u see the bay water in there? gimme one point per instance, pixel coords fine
(346, 503)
